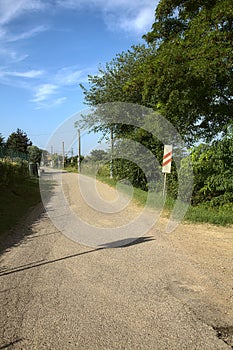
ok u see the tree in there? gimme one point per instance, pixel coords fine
(120, 80)
(185, 72)
(35, 154)
(213, 165)
(193, 78)
(2, 143)
(18, 142)
(98, 155)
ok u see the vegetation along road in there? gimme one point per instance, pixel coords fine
(161, 292)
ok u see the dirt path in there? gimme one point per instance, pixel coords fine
(161, 292)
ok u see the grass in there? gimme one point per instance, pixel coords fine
(71, 169)
(198, 214)
(140, 196)
(202, 213)
(15, 200)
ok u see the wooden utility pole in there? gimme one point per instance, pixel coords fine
(79, 152)
(63, 155)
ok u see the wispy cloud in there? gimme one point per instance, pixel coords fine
(71, 76)
(139, 23)
(11, 9)
(29, 74)
(12, 55)
(131, 16)
(47, 95)
(51, 103)
(43, 92)
(44, 96)
(26, 35)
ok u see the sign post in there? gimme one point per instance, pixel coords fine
(167, 161)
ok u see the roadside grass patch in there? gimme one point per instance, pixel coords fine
(202, 213)
(15, 200)
(222, 215)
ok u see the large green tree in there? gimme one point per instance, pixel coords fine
(18, 142)
(185, 71)
(193, 79)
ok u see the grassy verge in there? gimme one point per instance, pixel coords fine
(217, 216)
(71, 169)
(15, 200)
(199, 214)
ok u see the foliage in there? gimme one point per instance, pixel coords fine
(201, 213)
(213, 170)
(185, 73)
(2, 143)
(98, 155)
(193, 77)
(18, 142)
(13, 173)
(35, 154)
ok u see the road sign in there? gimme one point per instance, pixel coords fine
(167, 159)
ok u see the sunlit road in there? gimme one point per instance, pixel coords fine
(57, 294)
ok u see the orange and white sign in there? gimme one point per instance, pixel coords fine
(167, 159)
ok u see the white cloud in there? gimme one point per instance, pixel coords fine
(29, 74)
(11, 9)
(52, 103)
(44, 92)
(132, 16)
(12, 55)
(71, 76)
(140, 23)
(26, 35)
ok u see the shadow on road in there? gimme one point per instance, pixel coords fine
(40, 263)
(10, 344)
(127, 242)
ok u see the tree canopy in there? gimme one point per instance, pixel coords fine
(18, 141)
(184, 71)
(194, 62)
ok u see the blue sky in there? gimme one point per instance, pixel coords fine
(47, 48)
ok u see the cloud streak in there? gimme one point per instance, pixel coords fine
(47, 95)
(29, 74)
(11, 9)
(44, 92)
(26, 35)
(131, 16)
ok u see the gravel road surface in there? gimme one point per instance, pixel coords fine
(162, 292)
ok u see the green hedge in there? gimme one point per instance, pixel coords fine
(12, 173)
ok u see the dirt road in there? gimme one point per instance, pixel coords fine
(162, 292)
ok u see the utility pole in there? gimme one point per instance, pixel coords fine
(63, 155)
(79, 152)
(111, 160)
(51, 161)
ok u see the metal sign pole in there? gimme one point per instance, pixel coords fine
(164, 184)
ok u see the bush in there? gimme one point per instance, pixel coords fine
(12, 172)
